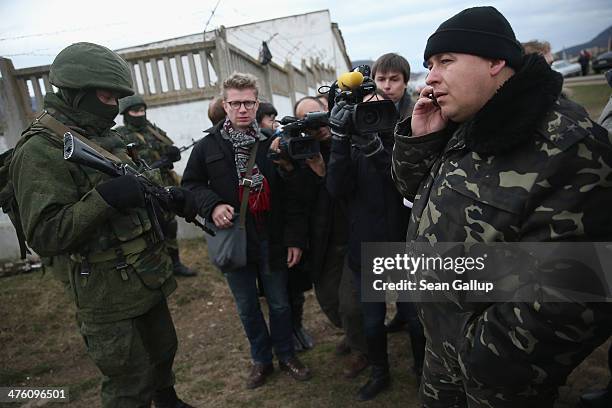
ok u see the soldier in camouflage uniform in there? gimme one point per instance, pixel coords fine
(94, 233)
(494, 155)
(154, 147)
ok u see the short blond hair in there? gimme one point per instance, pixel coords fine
(239, 80)
(536, 47)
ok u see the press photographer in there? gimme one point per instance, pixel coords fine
(359, 171)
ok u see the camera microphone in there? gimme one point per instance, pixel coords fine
(350, 80)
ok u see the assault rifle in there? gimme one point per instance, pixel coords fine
(76, 151)
(166, 161)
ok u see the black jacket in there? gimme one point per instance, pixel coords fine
(211, 174)
(327, 217)
(376, 209)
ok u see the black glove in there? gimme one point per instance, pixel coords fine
(340, 119)
(368, 143)
(122, 192)
(183, 203)
(173, 154)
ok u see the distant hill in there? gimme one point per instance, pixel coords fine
(600, 41)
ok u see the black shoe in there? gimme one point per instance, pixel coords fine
(396, 324)
(167, 398)
(182, 270)
(303, 338)
(178, 268)
(378, 382)
(597, 399)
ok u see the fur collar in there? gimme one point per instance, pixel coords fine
(512, 115)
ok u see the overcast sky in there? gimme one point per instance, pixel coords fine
(32, 32)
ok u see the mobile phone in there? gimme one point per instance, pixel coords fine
(433, 98)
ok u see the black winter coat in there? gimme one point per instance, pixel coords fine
(211, 174)
(376, 209)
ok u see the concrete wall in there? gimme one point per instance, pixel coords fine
(9, 246)
(183, 122)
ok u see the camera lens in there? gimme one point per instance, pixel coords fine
(371, 118)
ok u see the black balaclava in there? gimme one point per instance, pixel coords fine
(87, 100)
(136, 121)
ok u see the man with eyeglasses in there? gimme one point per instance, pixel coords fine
(275, 224)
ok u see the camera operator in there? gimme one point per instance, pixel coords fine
(391, 73)
(328, 239)
(359, 169)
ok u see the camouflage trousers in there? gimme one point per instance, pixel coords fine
(170, 229)
(446, 384)
(135, 356)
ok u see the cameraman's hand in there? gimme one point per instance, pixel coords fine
(222, 216)
(183, 203)
(427, 116)
(285, 164)
(340, 119)
(368, 143)
(317, 165)
(122, 192)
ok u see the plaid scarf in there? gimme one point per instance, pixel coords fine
(242, 141)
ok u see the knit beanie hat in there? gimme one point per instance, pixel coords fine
(481, 31)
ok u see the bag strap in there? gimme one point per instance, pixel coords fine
(159, 136)
(247, 183)
(59, 128)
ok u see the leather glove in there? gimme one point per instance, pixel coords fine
(183, 203)
(340, 120)
(122, 192)
(368, 143)
(173, 154)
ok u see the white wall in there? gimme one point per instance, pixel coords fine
(183, 122)
(283, 106)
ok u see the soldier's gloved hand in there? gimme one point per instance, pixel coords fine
(368, 143)
(183, 203)
(122, 192)
(173, 154)
(340, 120)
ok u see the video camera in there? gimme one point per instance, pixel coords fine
(369, 117)
(296, 143)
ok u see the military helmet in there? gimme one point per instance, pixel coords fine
(129, 101)
(87, 65)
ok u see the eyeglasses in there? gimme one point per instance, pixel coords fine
(235, 105)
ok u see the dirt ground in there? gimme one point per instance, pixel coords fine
(40, 347)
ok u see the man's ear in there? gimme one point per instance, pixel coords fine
(496, 66)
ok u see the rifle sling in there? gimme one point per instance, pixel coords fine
(59, 130)
(159, 136)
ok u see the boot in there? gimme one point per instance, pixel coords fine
(167, 398)
(380, 378)
(179, 268)
(417, 343)
(379, 381)
(303, 337)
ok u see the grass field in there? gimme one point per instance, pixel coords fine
(40, 346)
(592, 97)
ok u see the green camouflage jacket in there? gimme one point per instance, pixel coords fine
(64, 218)
(149, 147)
(528, 167)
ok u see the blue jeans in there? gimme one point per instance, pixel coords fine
(243, 284)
